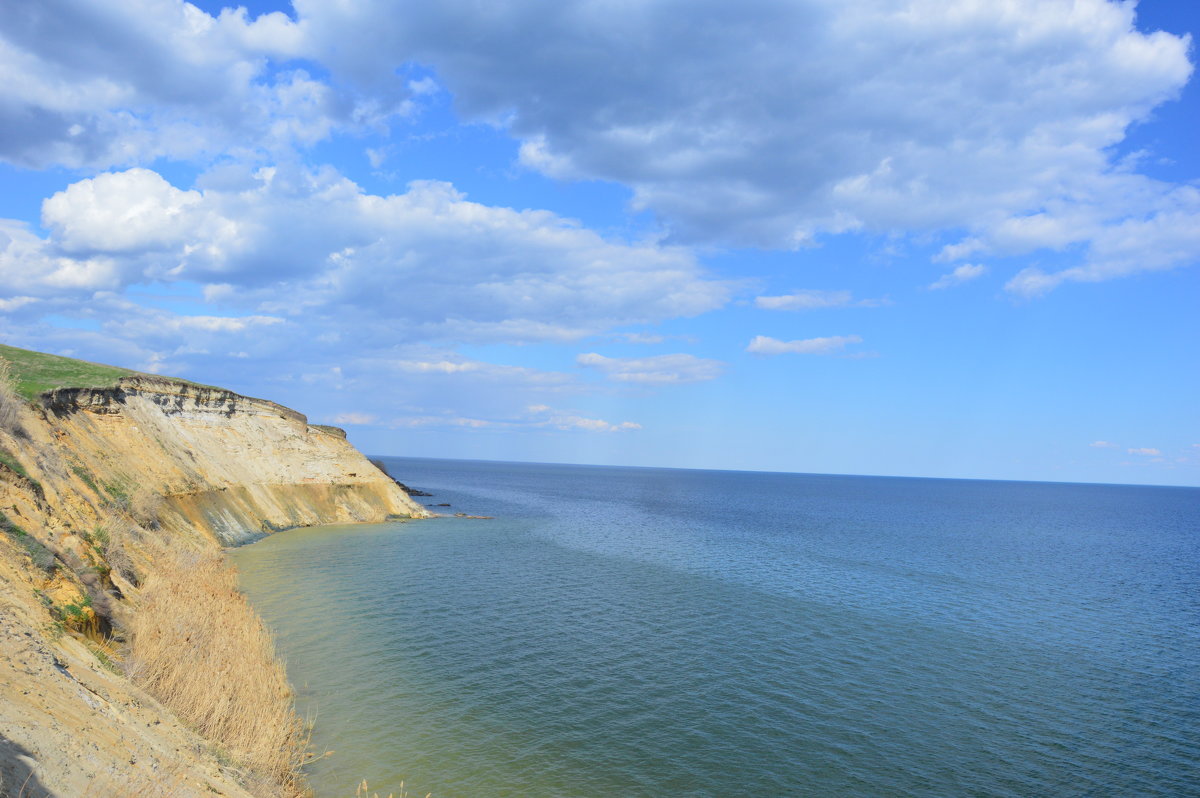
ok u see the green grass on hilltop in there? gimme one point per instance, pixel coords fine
(37, 372)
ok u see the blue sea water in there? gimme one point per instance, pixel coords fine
(658, 632)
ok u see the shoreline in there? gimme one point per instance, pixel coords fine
(121, 630)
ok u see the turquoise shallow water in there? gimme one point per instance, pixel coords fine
(655, 632)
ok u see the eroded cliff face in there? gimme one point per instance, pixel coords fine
(227, 466)
(113, 478)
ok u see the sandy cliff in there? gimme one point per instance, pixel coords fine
(227, 465)
(99, 485)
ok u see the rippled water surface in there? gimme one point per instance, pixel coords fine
(654, 632)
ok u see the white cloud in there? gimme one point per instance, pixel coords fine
(565, 420)
(16, 303)
(773, 122)
(103, 84)
(287, 242)
(656, 370)
(763, 345)
(354, 418)
(454, 368)
(769, 123)
(961, 274)
(1164, 235)
(1103, 445)
(443, 421)
(813, 299)
(1146, 451)
(122, 212)
(437, 367)
(535, 417)
(638, 338)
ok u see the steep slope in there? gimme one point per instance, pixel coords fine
(105, 492)
(226, 465)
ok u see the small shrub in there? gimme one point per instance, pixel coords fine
(13, 463)
(104, 657)
(42, 557)
(11, 527)
(99, 536)
(80, 471)
(119, 493)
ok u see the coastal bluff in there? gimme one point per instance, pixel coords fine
(111, 497)
(229, 466)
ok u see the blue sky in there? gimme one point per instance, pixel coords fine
(908, 237)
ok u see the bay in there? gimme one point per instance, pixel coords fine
(661, 632)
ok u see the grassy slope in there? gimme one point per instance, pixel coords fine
(37, 372)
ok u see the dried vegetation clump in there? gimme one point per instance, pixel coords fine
(197, 645)
(10, 401)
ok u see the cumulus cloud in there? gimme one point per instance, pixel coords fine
(764, 345)
(961, 274)
(285, 242)
(656, 370)
(772, 122)
(1146, 450)
(813, 299)
(768, 123)
(124, 212)
(102, 84)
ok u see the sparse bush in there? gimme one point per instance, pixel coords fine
(80, 471)
(197, 645)
(111, 539)
(13, 463)
(139, 502)
(119, 493)
(76, 614)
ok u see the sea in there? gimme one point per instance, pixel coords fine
(660, 632)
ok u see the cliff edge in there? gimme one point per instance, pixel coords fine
(226, 465)
(109, 493)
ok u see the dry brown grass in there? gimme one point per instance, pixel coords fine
(145, 505)
(10, 401)
(197, 645)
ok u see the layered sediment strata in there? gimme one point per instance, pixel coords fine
(168, 466)
(227, 465)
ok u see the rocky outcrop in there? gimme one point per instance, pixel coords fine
(93, 482)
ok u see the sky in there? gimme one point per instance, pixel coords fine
(946, 238)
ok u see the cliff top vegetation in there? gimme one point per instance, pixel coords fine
(35, 373)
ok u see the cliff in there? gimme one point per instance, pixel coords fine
(102, 490)
(225, 465)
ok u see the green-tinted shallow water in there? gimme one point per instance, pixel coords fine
(670, 633)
